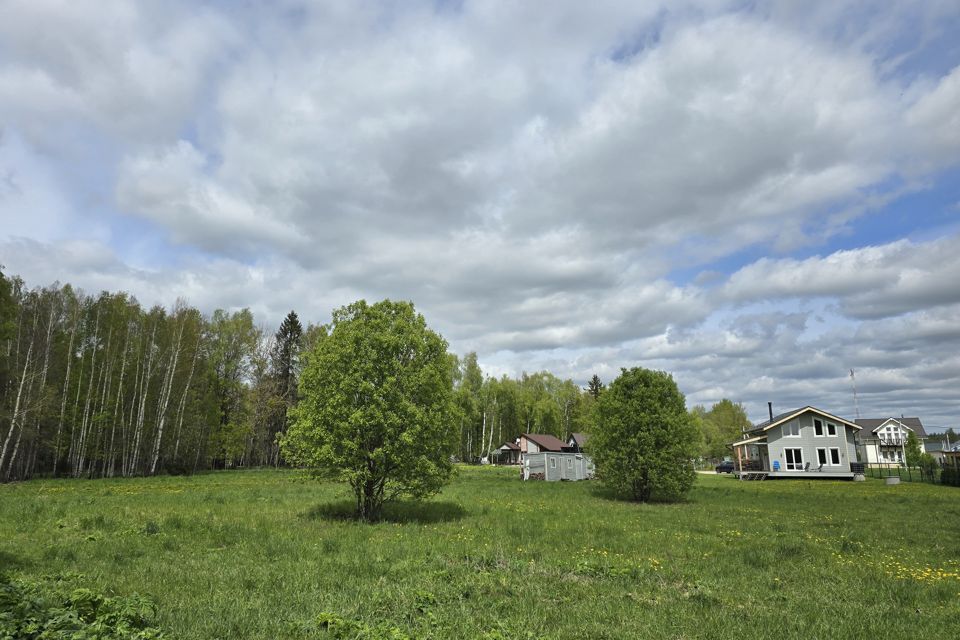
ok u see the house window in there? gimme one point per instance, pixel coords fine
(834, 457)
(831, 429)
(791, 429)
(553, 462)
(794, 459)
(817, 427)
(821, 456)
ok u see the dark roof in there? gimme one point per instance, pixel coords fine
(579, 438)
(871, 424)
(796, 412)
(510, 445)
(545, 441)
(776, 418)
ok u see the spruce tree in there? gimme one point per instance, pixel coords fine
(285, 358)
(285, 368)
(594, 387)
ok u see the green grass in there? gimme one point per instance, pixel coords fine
(265, 554)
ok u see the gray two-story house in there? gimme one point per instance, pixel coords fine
(806, 442)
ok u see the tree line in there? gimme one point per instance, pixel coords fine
(490, 411)
(101, 386)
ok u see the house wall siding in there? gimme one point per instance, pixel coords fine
(808, 443)
(568, 466)
(533, 467)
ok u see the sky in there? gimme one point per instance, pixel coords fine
(755, 196)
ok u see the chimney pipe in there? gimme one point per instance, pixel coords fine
(770, 409)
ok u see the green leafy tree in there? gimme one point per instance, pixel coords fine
(723, 424)
(703, 428)
(233, 340)
(644, 441)
(375, 406)
(913, 450)
(469, 408)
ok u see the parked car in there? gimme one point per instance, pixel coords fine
(725, 467)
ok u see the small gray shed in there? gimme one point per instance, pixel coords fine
(557, 465)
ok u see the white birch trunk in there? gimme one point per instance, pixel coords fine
(148, 369)
(492, 420)
(43, 380)
(117, 407)
(125, 428)
(183, 399)
(16, 406)
(165, 399)
(79, 459)
(483, 434)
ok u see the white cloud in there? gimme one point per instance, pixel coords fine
(133, 71)
(532, 180)
(170, 189)
(936, 117)
(871, 282)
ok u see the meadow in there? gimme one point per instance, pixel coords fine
(270, 554)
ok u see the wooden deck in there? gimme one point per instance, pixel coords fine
(795, 475)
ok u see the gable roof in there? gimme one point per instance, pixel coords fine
(762, 426)
(789, 415)
(510, 445)
(914, 424)
(579, 439)
(545, 441)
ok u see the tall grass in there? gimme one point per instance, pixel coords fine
(271, 554)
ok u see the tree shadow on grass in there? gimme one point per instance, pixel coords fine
(397, 512)
(605, 492)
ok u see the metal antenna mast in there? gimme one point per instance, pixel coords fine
(856, 403)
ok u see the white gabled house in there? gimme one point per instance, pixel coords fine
(884, 440)
(807, 442)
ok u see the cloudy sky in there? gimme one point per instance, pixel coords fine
(755, 196)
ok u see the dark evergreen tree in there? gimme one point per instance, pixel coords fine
(594, 387)
(285, 357)
(284, 370)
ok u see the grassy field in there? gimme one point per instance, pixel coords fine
(266, 554)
